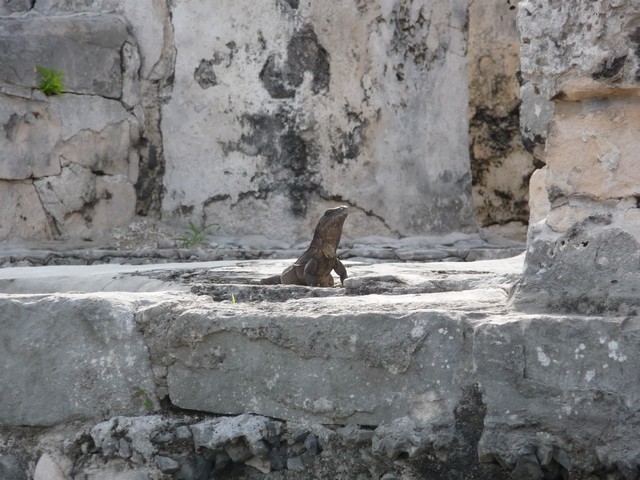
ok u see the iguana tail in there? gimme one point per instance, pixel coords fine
(274, 280)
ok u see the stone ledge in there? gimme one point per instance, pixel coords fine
(564, 385)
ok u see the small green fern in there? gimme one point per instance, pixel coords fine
(50, 81)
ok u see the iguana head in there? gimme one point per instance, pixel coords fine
(329, 230)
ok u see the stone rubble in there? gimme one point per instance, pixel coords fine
(268, 449)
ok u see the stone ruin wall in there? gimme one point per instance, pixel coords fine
(258, 117)
(581, 69)
(90, 160)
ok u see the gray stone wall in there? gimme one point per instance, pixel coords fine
(285, 108)
(255, 117)
(79, 164)
(281, 110)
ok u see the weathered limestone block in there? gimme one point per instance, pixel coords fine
(80, 151)
(147, 19)
(68, 357)
(31, 133)
(560, 372)
(590, 268)
(322, 102)
(99, 134)
(592, 149)
(596, 41)
(68, 192)
(86, 112)
(453, 377)
(26, 218)
(87, 48)
(582, 254)
(106, 151)
(500, 165)
(330, 367)
(115, 202)
(81, 202)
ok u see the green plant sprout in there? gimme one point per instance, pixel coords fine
(195, 235)
(50, 81)
(141, 393)
(233, 298)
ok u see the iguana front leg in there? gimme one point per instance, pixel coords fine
(341, 271)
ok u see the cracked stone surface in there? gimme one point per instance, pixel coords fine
(117, 61)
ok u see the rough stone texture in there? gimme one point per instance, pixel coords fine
(76, 151)
(500, 166)
(603, 139)
(595, 42)
(47, 469)
(538, 197)
(582, 253)
(73, 357)
(85, 47)
(362, 104)
(273, 122)
(31, 134)
(10, 470)
(446, 383)
(589, 268)
(12, 6)
(119, 57)
(27, 218)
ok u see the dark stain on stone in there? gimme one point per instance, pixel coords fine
(292, 3)
(610, 68)
(410, 37)
(634, 36)
(290, 156)
(11, 126)
(149, 196)
(350, 143)
(529, 142)
(152, 161)
(496, 134)
(205, 75)
(494, 138)
(293, 152)
(274, 78)
(304, 54)
(263, 135)
(462, 461)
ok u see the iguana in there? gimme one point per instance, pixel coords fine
(314, 267)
